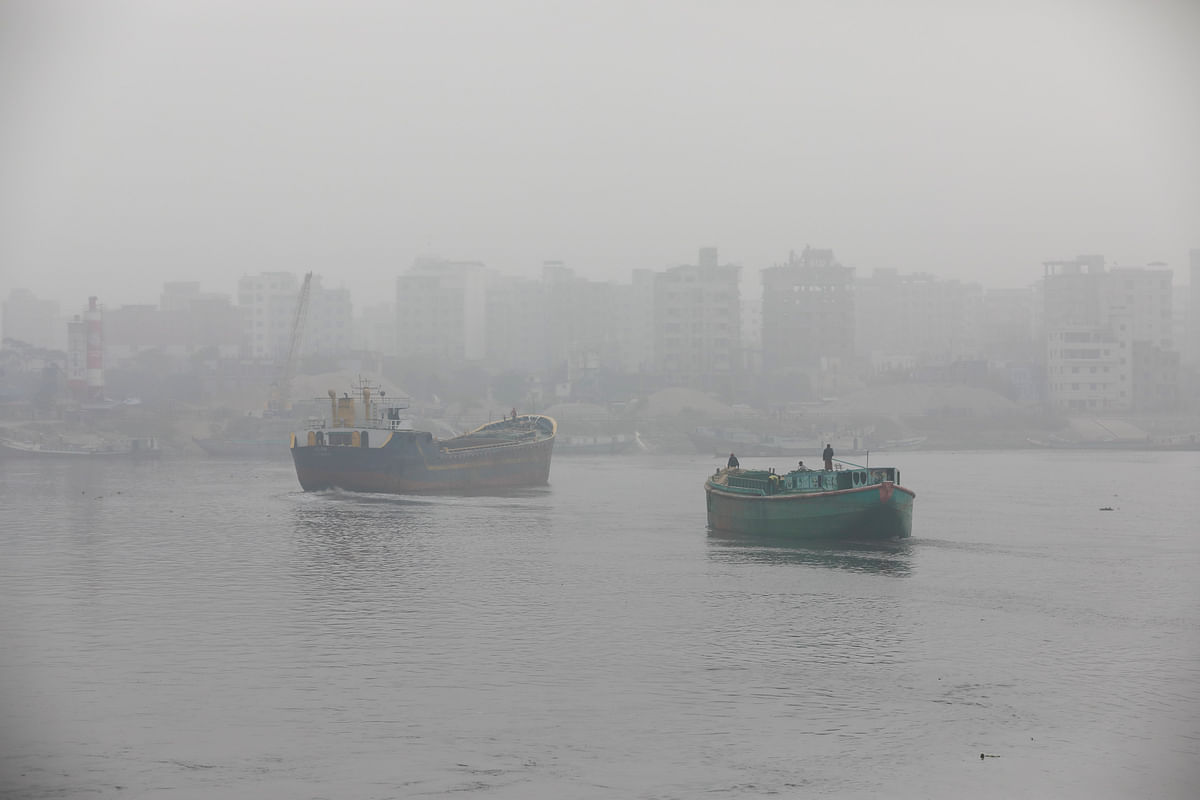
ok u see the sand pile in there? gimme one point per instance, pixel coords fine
(913, 399)
(677, 400)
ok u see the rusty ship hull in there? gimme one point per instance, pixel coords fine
(510, 453)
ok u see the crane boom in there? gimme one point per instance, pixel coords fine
(282, 401)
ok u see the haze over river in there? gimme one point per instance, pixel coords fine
(204, 629)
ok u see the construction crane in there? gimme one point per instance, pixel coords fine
(281, 391)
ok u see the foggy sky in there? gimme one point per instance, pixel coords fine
(202, 140)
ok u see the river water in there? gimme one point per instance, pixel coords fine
(199, 629)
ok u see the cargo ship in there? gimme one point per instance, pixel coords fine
(848, 502)
(369, 445)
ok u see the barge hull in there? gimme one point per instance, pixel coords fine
(882, 511)
(400, 470)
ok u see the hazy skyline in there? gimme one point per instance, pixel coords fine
(147, 142)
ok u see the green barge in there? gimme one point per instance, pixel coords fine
(850, 502)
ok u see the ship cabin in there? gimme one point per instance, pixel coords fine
(393, 417)
(767, 482)
(353, 416)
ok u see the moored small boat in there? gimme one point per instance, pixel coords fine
(849, 502)
(141, 447)
(599, 444)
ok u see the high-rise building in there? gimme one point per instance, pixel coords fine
(329, 324)
(808, 311)
(582, 325)
(634, 323)
(516, 323)
(697, 324)
(1192, 348)
(917, 320)
(1007, 325)
(441, 311)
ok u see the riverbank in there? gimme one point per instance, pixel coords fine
(665, 434)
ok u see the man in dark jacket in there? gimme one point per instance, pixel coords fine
(828, 455)
(733, 462)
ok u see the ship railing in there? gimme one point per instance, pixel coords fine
(751, 490)
(838, 463)
(752, 484)
(392, 424)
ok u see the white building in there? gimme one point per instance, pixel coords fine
(441, 310)
(1089, 369)
(918, 318)
(1109, 336)
(329, 325)
(268, 305)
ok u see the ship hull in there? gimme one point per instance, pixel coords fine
(415, 462)
(878, 511)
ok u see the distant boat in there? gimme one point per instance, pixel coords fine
(142, 447)
(599, 444)
(722, 441)
(850, 503)
(911, 443)
(369, 445)
(1180, 442)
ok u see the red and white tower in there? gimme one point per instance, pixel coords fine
(77, 358)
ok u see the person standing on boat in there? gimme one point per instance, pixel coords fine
(828, 456)
(732, 463)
